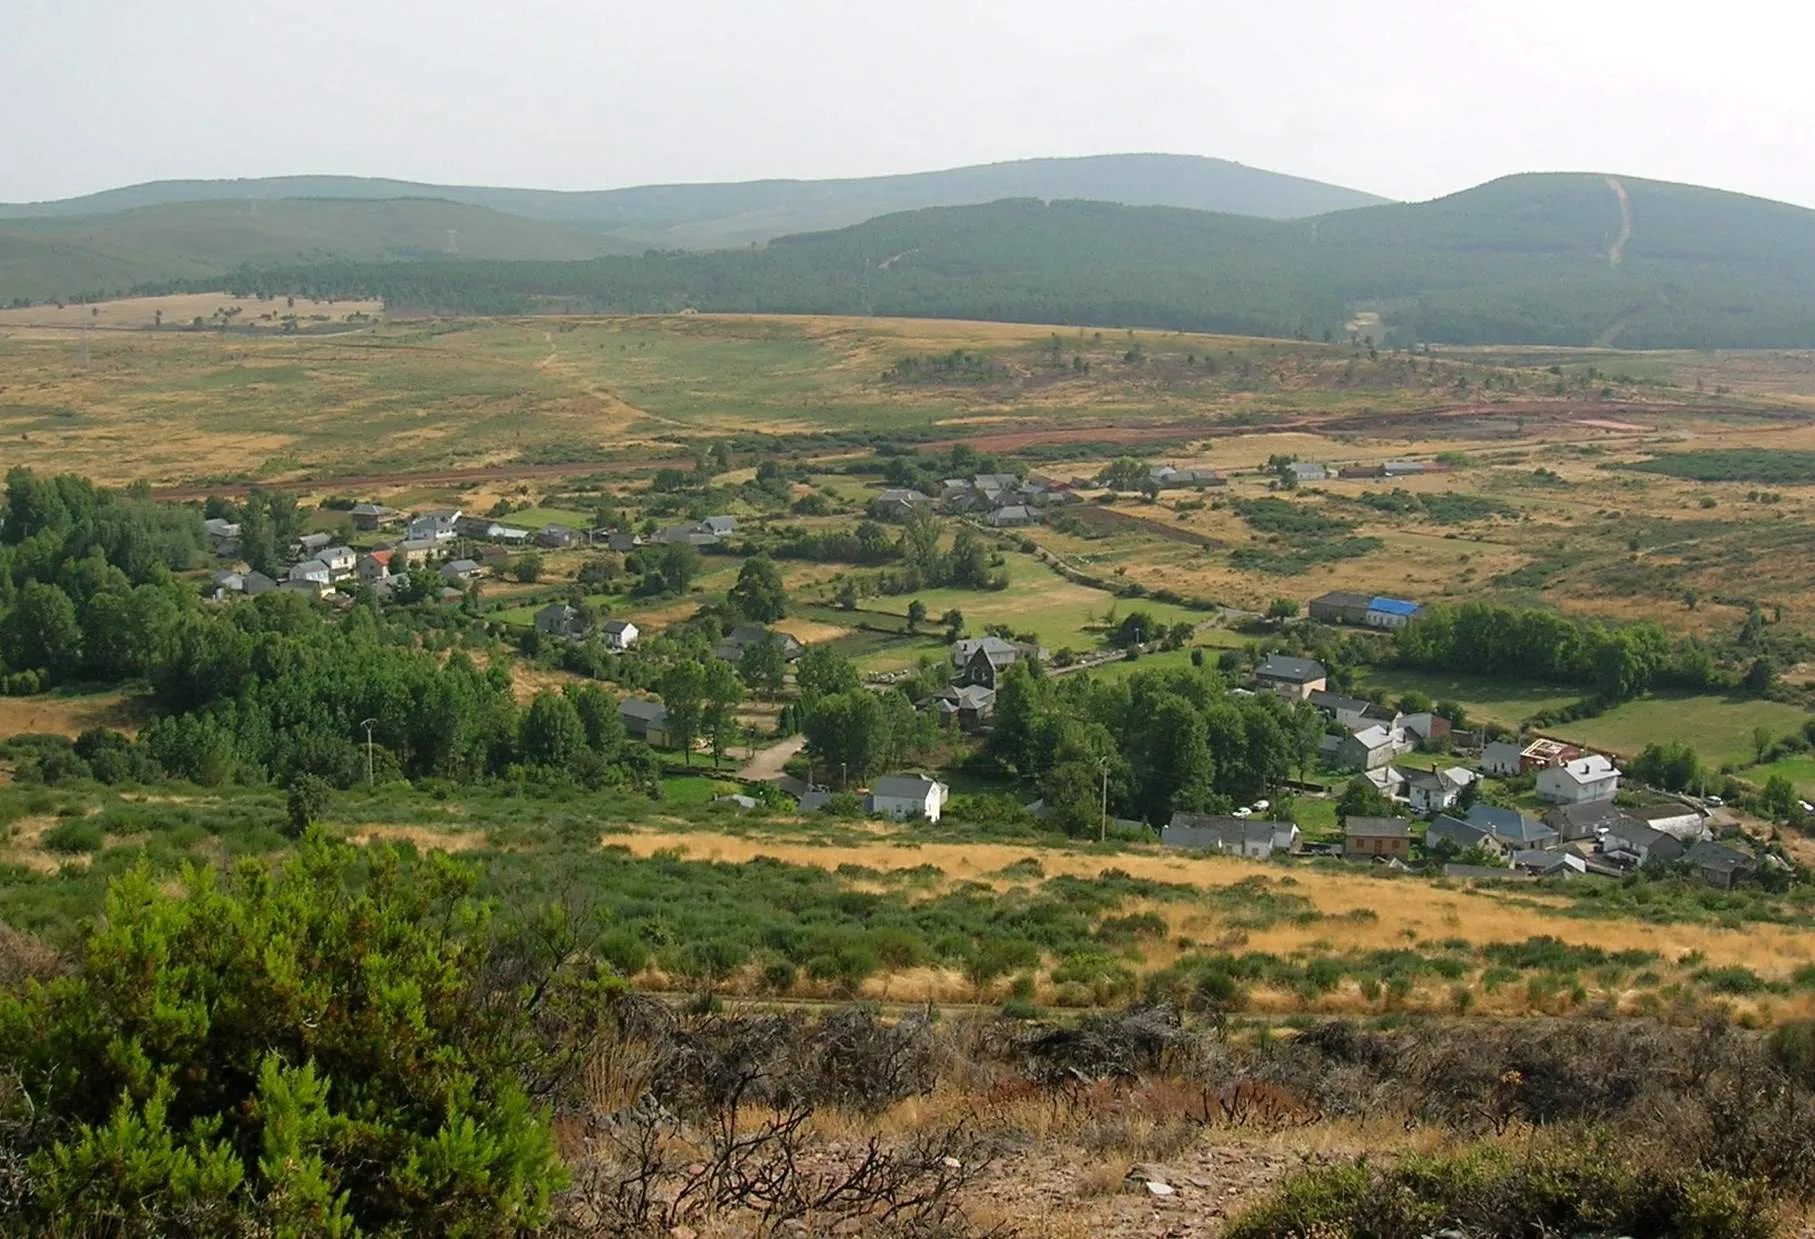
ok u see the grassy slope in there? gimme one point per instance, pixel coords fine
(176, 405)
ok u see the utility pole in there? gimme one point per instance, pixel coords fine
(368, 724)
(1103, 821)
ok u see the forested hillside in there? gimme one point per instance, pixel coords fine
(1556, 259)
(82, 257)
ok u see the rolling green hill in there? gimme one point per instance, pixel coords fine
(73, 256)
(1528, 259)
(710, 216)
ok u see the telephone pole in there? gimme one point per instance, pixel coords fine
(368, 724)
(1103, 821)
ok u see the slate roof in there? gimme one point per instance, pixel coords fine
(904, 786)
(1216, 832)
(1509, 825)
(653, 712)
(1636, 834)
(995, 647)
(1377, 828)
(1463, 834)
(1717, 857)
(967, 697)
(1291, 670)
(1579, 821)
(1543, 862)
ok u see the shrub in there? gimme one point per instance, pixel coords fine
(1486, 1190)
(73, 836)
(370, 1056)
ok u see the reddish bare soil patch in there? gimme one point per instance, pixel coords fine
(1008, 441)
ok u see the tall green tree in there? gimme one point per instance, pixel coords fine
(552, 733)
(822, 671)
(676, 566)
(682, 689)
(43, 632)
(723, 693)
(764, 666)
(759, 595)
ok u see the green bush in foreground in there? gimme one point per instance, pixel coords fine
(342, 1046)
(1591, 1188)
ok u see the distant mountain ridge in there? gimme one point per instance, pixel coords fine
(1561, 259)
(711, 215)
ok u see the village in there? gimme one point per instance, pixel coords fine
(1463, 803)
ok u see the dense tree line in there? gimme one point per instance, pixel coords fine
(1616, 663)
(867, 543)
(268, 690)
(1165, 740)
(86, 584)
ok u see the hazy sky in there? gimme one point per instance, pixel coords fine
(1408, 98)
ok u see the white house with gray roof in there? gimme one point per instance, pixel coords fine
(1577, 782)
(904, 796)
(1255, 838)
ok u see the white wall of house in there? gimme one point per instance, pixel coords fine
(1558, 786)
(903, 807)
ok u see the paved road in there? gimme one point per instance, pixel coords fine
(766, 766)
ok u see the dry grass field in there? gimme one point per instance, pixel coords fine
(1355, 909)
(179, 309)
(68, 715)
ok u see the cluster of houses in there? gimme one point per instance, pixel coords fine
(709, 531)
(566, 622)
(319, 566)
(978, 664)
(1000, 500)
(1583, 831)
(1570, 839)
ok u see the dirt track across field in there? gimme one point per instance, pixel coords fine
(434, 477)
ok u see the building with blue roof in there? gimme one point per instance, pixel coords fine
(1390, 612)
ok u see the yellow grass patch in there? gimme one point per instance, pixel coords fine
(425, 838)
(178, 310)
(68, 716)
(1403, 910)
(810, 632)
